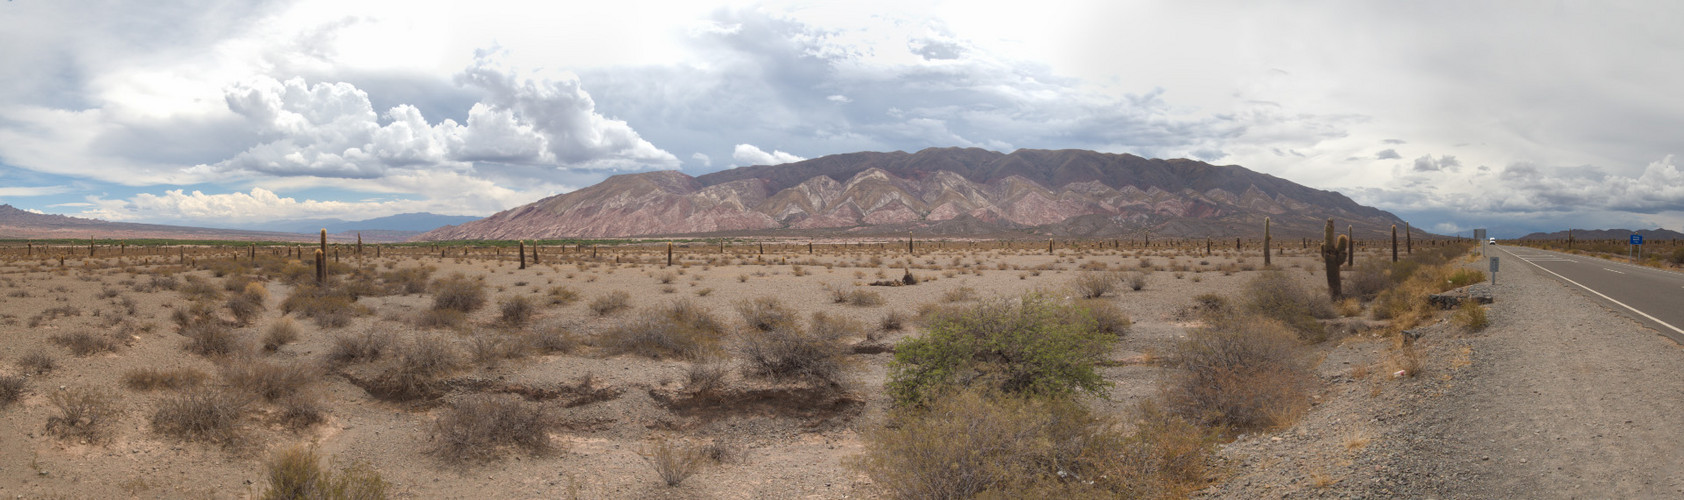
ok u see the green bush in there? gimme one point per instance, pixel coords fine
(1031, 345)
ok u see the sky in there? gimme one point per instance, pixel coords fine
(1515, 116)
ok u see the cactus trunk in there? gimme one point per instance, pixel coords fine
(1266, 242)
(321, 266)
(1351, 249)
(1333, 252)
(1408, 240)
(523, 254)
(1394, 242)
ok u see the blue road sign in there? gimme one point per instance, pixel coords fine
(1637, 239)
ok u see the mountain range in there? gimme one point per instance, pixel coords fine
(21, 224)
(1608, 234)
(940, 192)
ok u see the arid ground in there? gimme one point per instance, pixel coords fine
(102, 349)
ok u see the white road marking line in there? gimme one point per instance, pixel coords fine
(1611, 270)
(1611, 299)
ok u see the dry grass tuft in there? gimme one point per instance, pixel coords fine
(85, 414)
(358, 347)
(207, 415)
(1471, 316)
(611, 303)
(84, 343)
(267, 380)
(1095, 284)
(789, 352)
(151, 379)
(37, 362)
(516, 311)
(681, 329)
(280, 333)
(210, 338)
(1279, 296)
(482, 427)
(297, 473)
(977, 444)
(675, 461)
(1243, 372)
(11, 388)
(766, 314)
(459, 293)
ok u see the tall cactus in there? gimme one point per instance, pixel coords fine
(1333, 253)
(1266, 242)
(1408, 239)
(1351, 247)
(523, 254)
(1394, 242)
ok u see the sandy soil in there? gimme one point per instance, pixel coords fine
(786, 450)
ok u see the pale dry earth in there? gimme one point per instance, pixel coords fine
(784, 450)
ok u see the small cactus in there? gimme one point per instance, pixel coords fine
(1333, 252)
(321, 266)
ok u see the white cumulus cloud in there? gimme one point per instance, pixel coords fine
(748, 154)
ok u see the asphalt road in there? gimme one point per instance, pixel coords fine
(1651, 296)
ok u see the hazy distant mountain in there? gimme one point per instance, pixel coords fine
(19, 224)
(1608, 234)
(952, 191)
(411, 222)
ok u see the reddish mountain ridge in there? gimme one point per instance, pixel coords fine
(949, 192)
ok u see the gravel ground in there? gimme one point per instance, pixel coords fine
(1559, 398)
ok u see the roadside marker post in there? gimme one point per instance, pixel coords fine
(1493, 270)
(1479, 237)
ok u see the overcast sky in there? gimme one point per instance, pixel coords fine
(1517, 116)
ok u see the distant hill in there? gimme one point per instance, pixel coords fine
(941, 191)
(20, 224)
(1608, 234)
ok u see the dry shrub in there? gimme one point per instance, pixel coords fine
(358, 347)
(1107, 316)
(1035, 344)
(406, 281)
(1136, 281)
(1243, 372)
(516, 311)
(151, 379)
(211, 339)
(85, 414)
(1277, 295)
(979, 444)
(267, 380)
(894, 321)
(552, 339)
(37, 362)
(675, 461)
(331, 305)
(280, 333)
(1095, 284)
(865, 298)
(207, 415)
(1471, 316)
(300, 412)
(420, 365)
(11, 388)
(561, 296)
(1369, 279)
(1403, 360)
(789, 352)
(248, 304)
(766, 314)
(84, 343)
(458, 293)
(441, 318)
(297, 473)
(706, 376)
(959, 294)
(483, 427)
(610, 303)
(681, 329)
